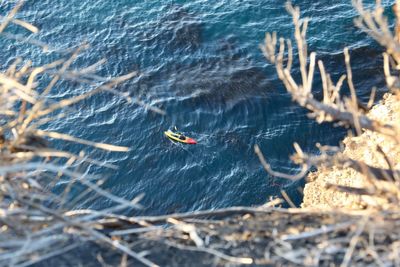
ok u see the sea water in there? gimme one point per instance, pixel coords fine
(200, 62)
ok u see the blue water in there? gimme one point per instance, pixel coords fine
(200, 62)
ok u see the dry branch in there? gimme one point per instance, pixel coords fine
(32, 218)
(332, 108)
(36, 224)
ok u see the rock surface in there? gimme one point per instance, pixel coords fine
(362, 148)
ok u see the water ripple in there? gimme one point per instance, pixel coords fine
(200, 62)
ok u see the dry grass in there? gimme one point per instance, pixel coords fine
(37, 225)
(335, 108)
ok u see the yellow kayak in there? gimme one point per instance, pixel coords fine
(178, 137)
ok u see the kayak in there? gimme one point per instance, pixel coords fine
(179, 138)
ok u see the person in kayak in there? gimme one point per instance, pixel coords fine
(180, 135)
(175, 135)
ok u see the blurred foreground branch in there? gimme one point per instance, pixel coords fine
(333, 107)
